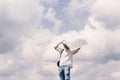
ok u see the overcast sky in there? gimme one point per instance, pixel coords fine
(29, 29)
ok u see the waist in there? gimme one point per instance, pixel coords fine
(66, 66)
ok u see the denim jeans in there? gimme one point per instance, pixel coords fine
(64, 72)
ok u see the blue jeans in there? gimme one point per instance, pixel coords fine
(64, 72)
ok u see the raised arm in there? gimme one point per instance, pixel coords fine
(76, 50)
(58, 44)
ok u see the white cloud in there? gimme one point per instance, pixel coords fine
(102, 47)
(30, 45)
(77, 11)
(116, 74)
(107, 12)
(72, 9)
(22, 39)
(100, 41)
(18, 16)
(101, 44)
(28, 60)
(51, 16)
(50, 2)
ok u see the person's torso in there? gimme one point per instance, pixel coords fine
(66, 58)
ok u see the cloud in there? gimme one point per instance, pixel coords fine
(108, 13)
(27, 58)
(8, 44)
(29, 43)
(93, 71)
(102, 47)
(50, 2)
(101, 44)
(116, 74)
(22, 36)
(19, 14)
(51, 16)
(100, 41)
(77, 13)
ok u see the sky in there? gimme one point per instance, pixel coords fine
(29, 30)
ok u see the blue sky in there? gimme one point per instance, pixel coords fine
(29, 29)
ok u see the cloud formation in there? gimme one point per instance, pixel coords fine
(30, 29)
(107, 13)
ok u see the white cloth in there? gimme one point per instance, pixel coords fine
(66, 56)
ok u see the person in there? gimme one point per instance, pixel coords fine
(66, 59)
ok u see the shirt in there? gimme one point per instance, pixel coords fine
(66, 56)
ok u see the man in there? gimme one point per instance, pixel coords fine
(66, 59)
